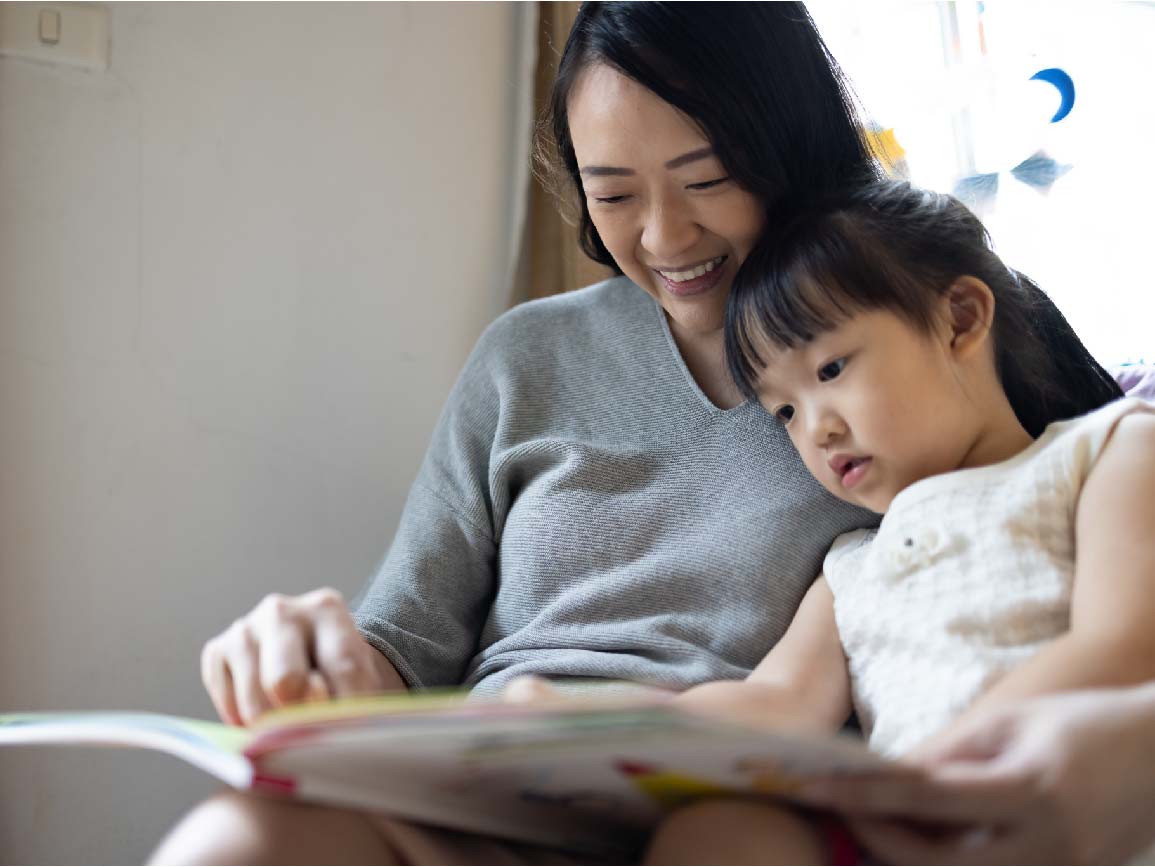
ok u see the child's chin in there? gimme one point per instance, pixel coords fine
(872, 504)
(845, 495)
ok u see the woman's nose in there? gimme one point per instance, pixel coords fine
(669, 231)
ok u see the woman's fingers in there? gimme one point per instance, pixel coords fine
(317, 689)
(528, 689)
(219, 682)
(953, 796)
(243, 660)
(981, 739)
(283, 636)
(339, 651)
(897, 843)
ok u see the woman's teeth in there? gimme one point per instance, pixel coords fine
(683, 276)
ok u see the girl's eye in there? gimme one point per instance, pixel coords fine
(609, 200)
(705, 185)
(784, 413)
(830, 371)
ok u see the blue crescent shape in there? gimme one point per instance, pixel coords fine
(1063, 84)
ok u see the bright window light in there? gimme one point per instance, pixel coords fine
(1069, 202)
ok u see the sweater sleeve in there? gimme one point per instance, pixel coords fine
(425, 607)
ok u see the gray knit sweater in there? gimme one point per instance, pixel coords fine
(584, 511)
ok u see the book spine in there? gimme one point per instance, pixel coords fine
(271, 784)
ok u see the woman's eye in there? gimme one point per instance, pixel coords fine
(831, 370)
(609, 200)
(784, 413)
(705, 185)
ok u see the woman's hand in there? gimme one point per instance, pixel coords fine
(537, 691)
(291, 649)
(1068, 778)
(531, 689)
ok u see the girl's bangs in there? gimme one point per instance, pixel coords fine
(791, 305)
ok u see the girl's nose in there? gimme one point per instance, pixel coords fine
(828, 427)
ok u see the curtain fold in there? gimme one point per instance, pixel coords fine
(550, 261)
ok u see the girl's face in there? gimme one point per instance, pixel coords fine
(661, 201)
(872, 406)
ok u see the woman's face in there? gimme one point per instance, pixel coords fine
(659, 198)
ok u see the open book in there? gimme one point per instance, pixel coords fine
(587, 778)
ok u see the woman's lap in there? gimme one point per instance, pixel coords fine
(236, 827)
(424, 844)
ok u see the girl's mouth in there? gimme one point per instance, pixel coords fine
(853, 472)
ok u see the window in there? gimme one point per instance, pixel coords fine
(1069, 202)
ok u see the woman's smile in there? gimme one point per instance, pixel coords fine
(693, 280)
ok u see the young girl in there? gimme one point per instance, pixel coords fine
(912, 371)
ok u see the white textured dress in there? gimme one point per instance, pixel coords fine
(969, 574)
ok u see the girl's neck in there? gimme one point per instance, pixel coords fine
(999, 439)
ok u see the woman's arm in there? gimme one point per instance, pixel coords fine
(425, 608)
(804, 679)
(1062, 779)
(1111, 641)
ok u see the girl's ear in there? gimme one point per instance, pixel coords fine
(969, 314)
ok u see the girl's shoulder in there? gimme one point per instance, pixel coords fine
(846, 555)
(1088, 435)
(1129, 427)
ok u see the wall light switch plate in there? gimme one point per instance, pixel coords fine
(68, 34)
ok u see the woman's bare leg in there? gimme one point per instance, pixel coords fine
(736, 832)
(237, 828)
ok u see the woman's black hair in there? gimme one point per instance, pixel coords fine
(892, 246)
(756, 77)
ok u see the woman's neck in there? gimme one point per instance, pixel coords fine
(705, 358)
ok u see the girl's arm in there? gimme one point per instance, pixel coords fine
(804, 679)
(1111, 641)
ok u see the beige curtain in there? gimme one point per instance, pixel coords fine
(551, 260)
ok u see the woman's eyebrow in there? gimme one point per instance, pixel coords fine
(692, 156)
(676, 162)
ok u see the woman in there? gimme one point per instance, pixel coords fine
(595, 454)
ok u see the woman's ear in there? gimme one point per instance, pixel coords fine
(969, 313)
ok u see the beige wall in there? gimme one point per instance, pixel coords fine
(238, 275)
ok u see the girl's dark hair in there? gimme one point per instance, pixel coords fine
(756, 77)
(892, 246)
